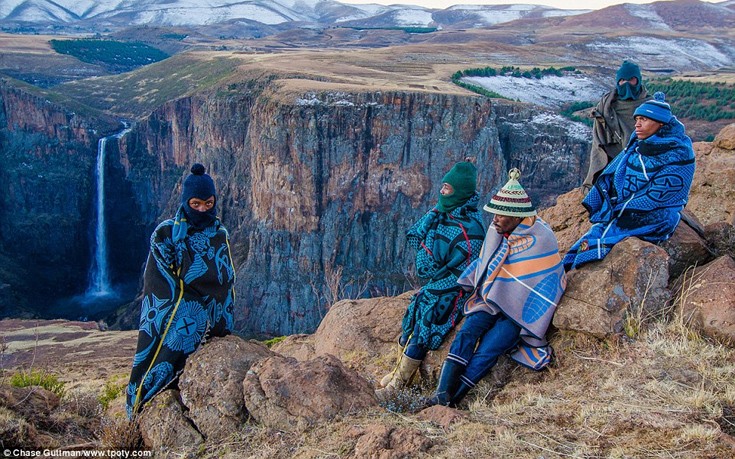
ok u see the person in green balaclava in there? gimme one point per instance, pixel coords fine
(613, 119)
(447, 239)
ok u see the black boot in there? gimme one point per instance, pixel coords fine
(448, 381)
(459, 394)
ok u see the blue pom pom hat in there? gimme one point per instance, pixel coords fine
(655, 109)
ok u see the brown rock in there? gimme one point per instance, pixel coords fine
(708, 299)
(299, 346)
(211, 384)
(385, 442)
(712, 197)
(16, 432)
(568, 218)
(33, 403)
(721, 238)
(442, 416)
(685, 248)
(725, 138)
(364, 335)
(631, 279)
(165, 428)
(283, 393)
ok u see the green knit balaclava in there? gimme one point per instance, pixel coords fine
(626, 91)
(463, 178)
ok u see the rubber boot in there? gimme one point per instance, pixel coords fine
(459, 394)
(400, 377)
(448, 381)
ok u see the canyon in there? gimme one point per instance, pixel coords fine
(308, 183)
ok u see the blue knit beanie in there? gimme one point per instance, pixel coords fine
(655, 109)
(197, 185)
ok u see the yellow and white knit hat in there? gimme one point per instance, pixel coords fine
(512, 199)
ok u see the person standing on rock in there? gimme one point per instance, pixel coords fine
(514, 288)
(643, 191)
(188, 291)
(447, 239)
(613, 119)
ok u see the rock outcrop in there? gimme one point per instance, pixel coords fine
(631, 280)
(217, 409)
(706, 297)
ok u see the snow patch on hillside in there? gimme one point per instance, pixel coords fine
(550, 91)
(647, 13)
(575, 130)
(681, 53)
(413, 17)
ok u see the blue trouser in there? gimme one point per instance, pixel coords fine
(497, 334)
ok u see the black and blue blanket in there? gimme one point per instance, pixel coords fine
(188, 296)
(640, 193)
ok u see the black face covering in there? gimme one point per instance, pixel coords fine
(198, 185)
(200, 220)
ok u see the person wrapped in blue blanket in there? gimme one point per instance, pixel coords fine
(447, 239)
(188, 291)
(643, 190)
(514, 288)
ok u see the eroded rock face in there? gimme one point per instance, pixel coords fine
(707, 297)
(712, 198)
(568, 219)
(283, 393)
(599, 294)
(165, 428)
(211, 385)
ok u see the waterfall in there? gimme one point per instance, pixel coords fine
(99, 276)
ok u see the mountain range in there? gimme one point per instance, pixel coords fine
(111, 14)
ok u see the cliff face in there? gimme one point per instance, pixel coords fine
(46, 181)
(308, 183)
(313, 182)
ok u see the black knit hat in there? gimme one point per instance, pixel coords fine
(197, 185)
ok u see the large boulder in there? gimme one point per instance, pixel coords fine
(712, 197)
(283, 393)
(707, 298)
(630, 282)
(211, 384)
(364, 335)
(686, 248)
(165, 428)
(568, 219)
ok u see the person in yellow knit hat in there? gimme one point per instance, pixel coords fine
(513, 290)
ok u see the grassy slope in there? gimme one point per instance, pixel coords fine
(665, 394)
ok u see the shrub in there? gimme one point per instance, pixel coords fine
(110, 392)
(43, 379)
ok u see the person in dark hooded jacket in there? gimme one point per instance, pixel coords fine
(447, 239)
(188, 291)
(613, 119)
(643, 191)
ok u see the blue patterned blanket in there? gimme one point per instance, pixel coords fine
(640, 193)
(188, 295)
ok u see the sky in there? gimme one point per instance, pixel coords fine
(563, 4)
